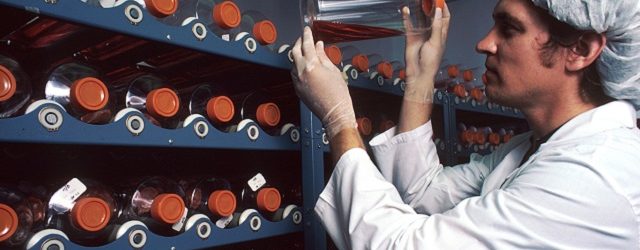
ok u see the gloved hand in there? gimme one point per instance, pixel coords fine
(320, 85)
(422, 57)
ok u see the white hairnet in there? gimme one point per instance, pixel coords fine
(619, 21)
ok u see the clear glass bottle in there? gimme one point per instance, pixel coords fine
(153, 97)
(381, 66)
(220, 16)
(78, 88)
(15, 87)
(16, 218)
(159, 203)
(334, 54)
(259, 107)
(256, 193)
(212, 197)
(207, 100)
(466, 135)
(353, 61)
(84, 210)
(260, 27)
(345, 20)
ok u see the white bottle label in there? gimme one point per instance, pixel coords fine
(178, 226)
(224, 221)
(256, 182)
(64, 199)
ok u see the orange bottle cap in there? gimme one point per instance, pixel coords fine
(268, 199)
(385, 69)
(227, 15)
(360, 62)
(167, 208)
(162, 102)
(268, 114)
(364, 125)
(494, 138)
(506, 138)
(89, 93)
(453, 71)
(334, 54)
(427, 7)
(467, 75)
(459, 91)
(220, 109)
(91, 214)
(479, 138)
(466, 137)
(386, 125)
(402, 74)
(161, 8)
(477, 94)
(7, 84)
(265, 32)
(8, 222)
(222, 203)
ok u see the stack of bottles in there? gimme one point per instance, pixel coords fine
(85, 93)
(89, 212)
(477, 139)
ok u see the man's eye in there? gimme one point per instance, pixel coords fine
(507, 30)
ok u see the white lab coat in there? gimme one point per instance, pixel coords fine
(579, 190)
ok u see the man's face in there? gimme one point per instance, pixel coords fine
(516, 76)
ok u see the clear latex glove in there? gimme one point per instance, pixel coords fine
(423, 56)
(320, 85)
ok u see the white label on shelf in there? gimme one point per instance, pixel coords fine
(178, 226)
(257, 182)
(224, 221)
(226, 37)
(63, 199)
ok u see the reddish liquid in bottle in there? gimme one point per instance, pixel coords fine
(331, 32)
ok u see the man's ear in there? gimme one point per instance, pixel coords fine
(585, 51)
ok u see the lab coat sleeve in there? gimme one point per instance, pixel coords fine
(410, 161)
(540, 210)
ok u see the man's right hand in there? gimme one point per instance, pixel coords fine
(319, 84)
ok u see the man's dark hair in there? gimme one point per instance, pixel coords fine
(563, 35)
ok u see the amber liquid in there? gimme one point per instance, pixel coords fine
(332, 32)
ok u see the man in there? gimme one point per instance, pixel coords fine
(570, 183)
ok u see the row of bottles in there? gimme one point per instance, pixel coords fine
(355, 63)
(80, 90)
(89, 212)
(468, 87)
(482, 138)
(228, 20)
(465, 84)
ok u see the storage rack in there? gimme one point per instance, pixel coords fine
(311, 142)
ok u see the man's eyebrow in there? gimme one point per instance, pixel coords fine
(507, 18)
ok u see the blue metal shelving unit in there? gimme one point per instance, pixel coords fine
(310, 142)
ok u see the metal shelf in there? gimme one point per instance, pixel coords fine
(28, 128)
(149, 27)
(462, 151)
(484, 108)
(191, 238)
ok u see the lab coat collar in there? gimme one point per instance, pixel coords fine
(616, 114)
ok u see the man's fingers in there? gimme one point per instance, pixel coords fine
(322, 55)
(308, 48)
(436, 28)
(296, 51)
(446, 17)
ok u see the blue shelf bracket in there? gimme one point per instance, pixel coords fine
(312, 176)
